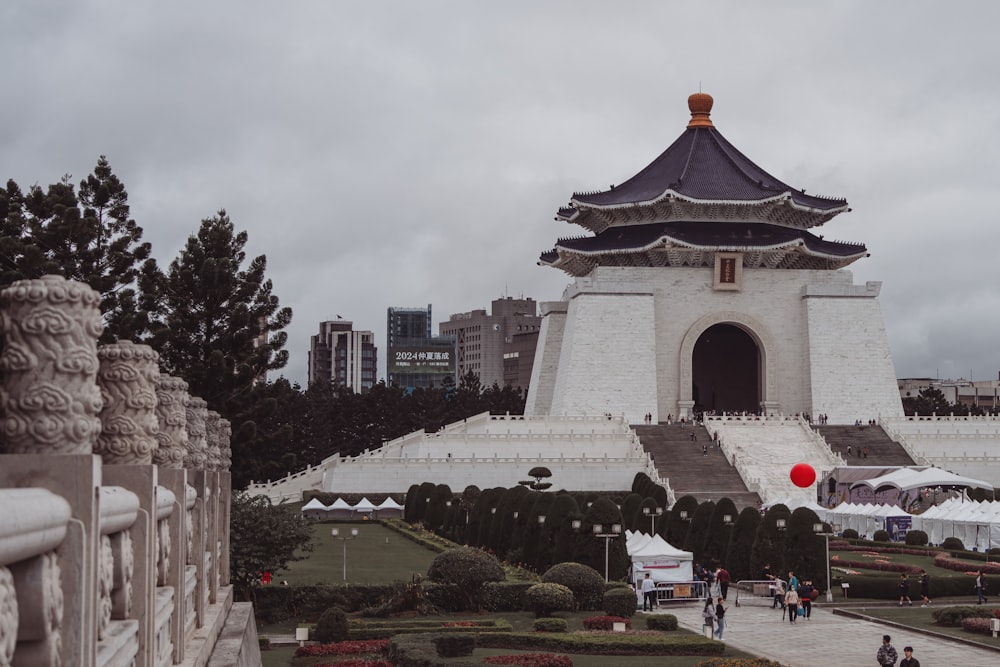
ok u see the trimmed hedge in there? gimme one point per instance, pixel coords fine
(916, 538)
(544, 599)
(738, 662)
(550, 625)
(504, 595)
(388, 631)
(620, 602)
(887, 588)
(420, 651)
(612, 643)
(455, 645)
(605, 622)
(953, 616)
(666, 622)
(586, 583)
(947, 562)
(332, 626)
(953, 544)
(446, 597)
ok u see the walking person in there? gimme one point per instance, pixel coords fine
(908, 660)
(886, 655)
(648, 593)
(904, 590)
(708, 617)
(805, 599)
(792, 604)
(980, 588)
(722, 576)
(720, 618)
(925, 588)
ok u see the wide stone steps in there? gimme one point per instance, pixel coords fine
(681, 460)
(882, 450)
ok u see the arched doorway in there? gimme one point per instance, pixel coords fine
(725, 370)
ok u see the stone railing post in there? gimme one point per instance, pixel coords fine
(195, 461)
(51, 404)
(127, 444)
(171, 414)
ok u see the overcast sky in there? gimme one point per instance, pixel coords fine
(404, 153)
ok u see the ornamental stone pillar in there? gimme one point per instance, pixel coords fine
(225, 444)
(197, 447)
(213, 437)
(171, 416)
(127, 379)
(50, 398)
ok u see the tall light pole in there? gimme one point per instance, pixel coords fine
(820, 529)
(616, 530)
(344, 538)
(652, 514)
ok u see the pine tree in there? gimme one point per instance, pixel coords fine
(221, 329)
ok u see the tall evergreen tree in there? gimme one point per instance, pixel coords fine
(220, 327)
(741, 544)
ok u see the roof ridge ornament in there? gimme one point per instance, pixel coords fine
(700, 105)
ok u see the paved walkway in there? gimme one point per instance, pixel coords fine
(829, 639)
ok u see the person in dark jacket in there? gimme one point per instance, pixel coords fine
(909, 660)
(925, 588)
(720, 620)
(805, 598)
(904, 590)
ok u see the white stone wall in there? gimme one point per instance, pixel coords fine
(835, 350)
(851, 368)
(543, 372)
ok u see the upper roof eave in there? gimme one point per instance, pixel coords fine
(789, 196)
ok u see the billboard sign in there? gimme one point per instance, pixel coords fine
(421, 360)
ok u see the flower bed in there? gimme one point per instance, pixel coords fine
(373, 648)
(605, 622)
(530, 660)
(946, 562)
(878, 565)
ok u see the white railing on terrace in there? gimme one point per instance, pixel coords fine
(103, 503)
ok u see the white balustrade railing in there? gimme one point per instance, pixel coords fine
(107, 487)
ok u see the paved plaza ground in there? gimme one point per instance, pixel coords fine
(830, 639)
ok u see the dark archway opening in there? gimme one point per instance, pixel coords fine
(726, 371)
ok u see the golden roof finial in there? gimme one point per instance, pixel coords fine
(700, 105)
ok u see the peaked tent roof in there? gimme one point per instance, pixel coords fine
(389, 504)
(313, 504)
(363, 505)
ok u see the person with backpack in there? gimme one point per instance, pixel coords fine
(708, 617)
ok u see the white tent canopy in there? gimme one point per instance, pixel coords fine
(663, 561)
(906, 479)
(313, 504)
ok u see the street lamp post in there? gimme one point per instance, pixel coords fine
(820, 529)
(616, 530)
(652, 514)
(344, 538)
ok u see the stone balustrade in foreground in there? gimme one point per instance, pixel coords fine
(114, 497)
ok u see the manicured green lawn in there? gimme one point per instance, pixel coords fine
(920, 618)
(376, 555)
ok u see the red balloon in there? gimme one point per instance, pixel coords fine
(803, 475)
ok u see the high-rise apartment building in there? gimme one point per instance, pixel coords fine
(343, 356)
(495, 346)
(416, 358)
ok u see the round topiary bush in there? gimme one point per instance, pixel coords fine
(550, 625)
(661, 622)
(916, 538)
(544, 599)
(850, 534)
(620, 602)
(953, 544)
(332, 626)
(586, 583)
(467, 568)
(881, 536)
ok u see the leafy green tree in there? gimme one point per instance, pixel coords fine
(468, 568)
(264, 538)
(539, 542)
(928, 401)
(220, 327)
(631, 512)
(564, 512)
(590, 550)
(741, 545)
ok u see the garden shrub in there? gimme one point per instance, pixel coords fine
(444, 597)
(332, 626)
(467, 568)
(586, 583)
(504, 595)
(850, 534)
(418, 650)
(455, 645)
(916, 538)
(953, 544)
(661, 622)
(881, 536)
(544, 599)
(550, 625)
(602, 643)
(530, 660)
(980, 626)
(953, 616)
(605, 622)
(738, 662)
(620, 602)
